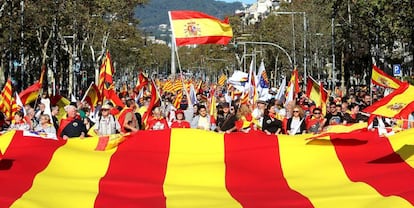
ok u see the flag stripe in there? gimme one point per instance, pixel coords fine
(210, 28)
(203, 40)
(376, 164)
(136, 172)
(198, 180)
(261, 183)
(329, 186)
(395, 105)
(381, 78)
(401, 142)
(60, 181)
(24, 158)
(191, 27)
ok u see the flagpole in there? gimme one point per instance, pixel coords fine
(87, 91)
(174, 45)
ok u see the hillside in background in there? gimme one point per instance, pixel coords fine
(156, 11)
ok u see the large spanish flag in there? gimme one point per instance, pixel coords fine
(398, 104)
(381, 78)
(174, 168)
(192, 27)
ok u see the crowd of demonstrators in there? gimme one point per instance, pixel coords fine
(270, 115)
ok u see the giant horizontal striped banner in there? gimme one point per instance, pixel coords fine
(195, 168)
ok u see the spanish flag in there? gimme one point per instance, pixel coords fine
(31, 93)
(92, 96)
(196, 168)
(192, 27)
(317, 94)
(381, 78)
(398, 104)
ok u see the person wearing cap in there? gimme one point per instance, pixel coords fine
(179, 120)
(72, 126)
(106, 123)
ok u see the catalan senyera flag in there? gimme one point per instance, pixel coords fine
(193, 27)
(174, 168)
(381, 78)
(222, 80)
(178, 99)
(106, 72)
(6, 99)
(398, 104)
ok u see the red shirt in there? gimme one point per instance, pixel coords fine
(180, 124)
(157, 123)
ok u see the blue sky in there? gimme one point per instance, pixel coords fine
(244, 1)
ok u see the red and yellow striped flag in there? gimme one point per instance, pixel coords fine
(222, 80)
(398, 104)
(317, 94)
(106, 72)
(92, 96)
(7, 103)
(192, 27)
(31, 93)
(381, 78)
(173, 168)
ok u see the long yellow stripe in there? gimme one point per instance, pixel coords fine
(380, 79)
(71, 179)
(197, 180)
(326, 183)
(403, 144)
(5, 140)
(207, 27)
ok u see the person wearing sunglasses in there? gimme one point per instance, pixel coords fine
(316, 121)
(334, 117)
(296, 124)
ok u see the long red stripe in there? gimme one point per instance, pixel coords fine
(376, 164)
(203, 40)
(22, 161)
(187, 14)
(254, 175)
(136, 172)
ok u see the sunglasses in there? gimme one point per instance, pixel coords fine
(316, 113)
(296, 111)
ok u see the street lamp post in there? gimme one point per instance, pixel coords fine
(304, 39)
(272, 44)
